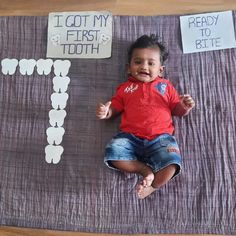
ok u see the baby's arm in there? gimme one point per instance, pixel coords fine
(105, 111)
(185, 105)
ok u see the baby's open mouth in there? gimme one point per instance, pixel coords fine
(144, 73)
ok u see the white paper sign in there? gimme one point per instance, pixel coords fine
(207, 32)
(79, 34)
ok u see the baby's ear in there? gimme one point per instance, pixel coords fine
(162, 68)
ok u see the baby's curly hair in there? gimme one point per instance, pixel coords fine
(151, 41)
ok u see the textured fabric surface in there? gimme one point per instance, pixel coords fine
(80, 193)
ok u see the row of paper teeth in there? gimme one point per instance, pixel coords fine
(57, 115)
(27, 66)
(59, 98)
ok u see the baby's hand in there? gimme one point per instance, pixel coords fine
(187, 101)
(103, 110)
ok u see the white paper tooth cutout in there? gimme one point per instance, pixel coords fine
(44, 66)
(53, 154)
(55, 135)
(59, 100)
(56, 117)
(61, 67)
(60, 84)
(56, 39)
(9, 66)
(104, 39)
(27, 66)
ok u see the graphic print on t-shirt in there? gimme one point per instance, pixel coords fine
(131, 88)
(161, 87)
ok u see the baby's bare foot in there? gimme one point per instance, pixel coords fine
(144, 191)
(148, 176)
(147, 180)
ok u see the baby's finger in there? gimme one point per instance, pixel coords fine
(101, 115)
(108, 104)
(101, 105)
(190, 103)
(188, 100)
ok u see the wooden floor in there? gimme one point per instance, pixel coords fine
(117, 7)
(14, 231)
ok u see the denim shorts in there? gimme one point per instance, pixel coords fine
(157, 153)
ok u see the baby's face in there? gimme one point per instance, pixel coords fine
(145, 64)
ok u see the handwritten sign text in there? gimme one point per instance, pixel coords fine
(79, 35)
(207, 32)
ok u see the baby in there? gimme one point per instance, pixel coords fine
(146, 101)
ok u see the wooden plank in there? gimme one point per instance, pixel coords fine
(117, 7)
(14, 231)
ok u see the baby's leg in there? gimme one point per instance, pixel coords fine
(136, 167)
(164, 157)
(160, 179)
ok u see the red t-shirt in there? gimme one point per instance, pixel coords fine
(146, 107)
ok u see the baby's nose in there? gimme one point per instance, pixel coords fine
(144, 65)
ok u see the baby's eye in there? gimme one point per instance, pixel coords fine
(151, 63)
(137, 62)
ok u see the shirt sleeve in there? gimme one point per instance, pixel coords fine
(117, 100)
(173, 97)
